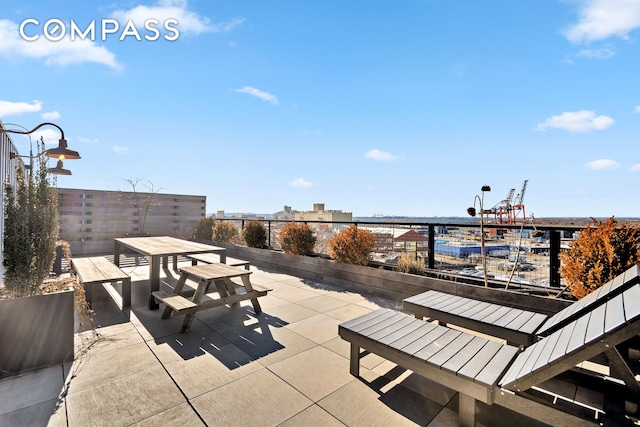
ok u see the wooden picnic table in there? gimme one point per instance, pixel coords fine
(161, 247)
(207, 274)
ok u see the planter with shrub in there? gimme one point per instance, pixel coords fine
(297, 239)
(255, 234)
(37, 325)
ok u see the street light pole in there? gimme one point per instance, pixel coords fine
(472, 211)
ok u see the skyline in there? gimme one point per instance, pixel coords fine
(368, 107)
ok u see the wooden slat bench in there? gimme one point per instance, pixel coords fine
(518, 327)
(99, 270)
(479, 369)
(414, 344)
(211, 258)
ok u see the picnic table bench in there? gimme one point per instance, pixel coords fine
(220, 276)
(211, 258)
(99, 270)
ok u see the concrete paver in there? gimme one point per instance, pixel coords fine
(285, 366)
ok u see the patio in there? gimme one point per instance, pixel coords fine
(286, 366)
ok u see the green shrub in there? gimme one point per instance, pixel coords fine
(408, 263)
(600, 253)
(352, 246)
(255, 234)
(30, 229)
(204, 228)
(297, 239)
(225, 232)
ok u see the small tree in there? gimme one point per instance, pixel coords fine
(255, 234)
(204, 228)
(225, 232)
(352, 246)
(601, 252)
(296, 239)
(143, 203)
(31, 229)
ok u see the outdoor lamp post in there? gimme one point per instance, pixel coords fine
(61, 152)
(472, 211)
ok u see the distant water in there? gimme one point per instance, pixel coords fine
(440, 219)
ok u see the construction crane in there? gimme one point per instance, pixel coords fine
(503, 208)
(518, 205)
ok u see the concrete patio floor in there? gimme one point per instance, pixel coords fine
(286, 366)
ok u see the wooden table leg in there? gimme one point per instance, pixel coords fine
(154, 281)
(116, 254)
(249, 288)
(197, 298)
(176, 290)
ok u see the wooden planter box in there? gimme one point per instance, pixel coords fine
(36, 332)
(385, 283)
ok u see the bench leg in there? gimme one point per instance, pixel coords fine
(197, 297)
(88, 292)
(354, 360)
(466, 410)
(126, 293)
(254, 301)
(181, 281)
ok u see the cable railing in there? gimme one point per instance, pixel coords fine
(518, 254)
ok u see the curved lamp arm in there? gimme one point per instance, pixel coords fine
(26, 132)
(61, 152)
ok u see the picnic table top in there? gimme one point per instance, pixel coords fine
(214, 271)
(165, 246)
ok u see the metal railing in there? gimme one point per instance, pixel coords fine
(526, 254)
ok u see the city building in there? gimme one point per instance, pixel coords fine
(320, 214)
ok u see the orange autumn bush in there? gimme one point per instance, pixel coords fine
(296, 239)
(601, 252)
(352, 246)
(225, 232)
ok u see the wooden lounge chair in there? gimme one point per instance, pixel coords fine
(493, 373)
(518, 327)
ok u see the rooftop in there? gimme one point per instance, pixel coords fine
(286, 366)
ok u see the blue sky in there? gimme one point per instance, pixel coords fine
(394, 107)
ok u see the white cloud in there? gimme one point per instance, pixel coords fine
(603, 164)
(8, 108)
(601, 53)
(87, 140)
(300, 182)
(50, 115)
(601, 19)
(637, 108)
(118, 149)
(381, 156)
(188, 21)
(63, 52)
(635, 168)
(576, 121)
(265, 96)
